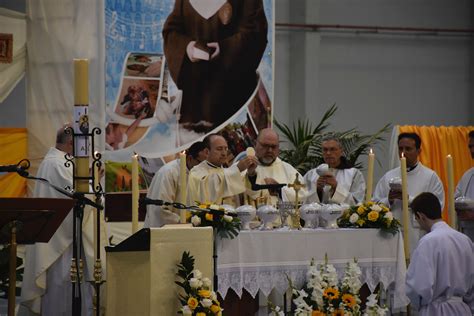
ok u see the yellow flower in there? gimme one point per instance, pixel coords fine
(331, 293)
(361, 210)
(215, 309)
(373, 216)
(201, 314)
(349, 300)
(360, 222)
(317, 313)
(204, 293)
(384, 208)
(192, 303)
(346, 214)
(209, 217)
(370, 203)
(203, 205)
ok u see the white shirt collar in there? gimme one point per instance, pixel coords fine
(207, 8)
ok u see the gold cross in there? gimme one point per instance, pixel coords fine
(297, 186)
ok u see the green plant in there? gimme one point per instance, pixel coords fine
(305, 152)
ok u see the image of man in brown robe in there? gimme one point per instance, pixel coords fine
(213, 49)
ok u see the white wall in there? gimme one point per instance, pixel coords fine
(376, 79)
(13, 108)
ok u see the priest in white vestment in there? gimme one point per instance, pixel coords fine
(272, 170)
(46, 287)
(419, 178)
(465, 188)
(440, 277)
(345, 184)
(210, 182)
(165, 186)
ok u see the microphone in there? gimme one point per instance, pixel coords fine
(21, 170)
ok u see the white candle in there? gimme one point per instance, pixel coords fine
(370, 176)
(182, 185)
(405, 217)
(135, 194)
(451, 211)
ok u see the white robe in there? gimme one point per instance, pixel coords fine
(211, 184)
(420, 179)
(350, 187)
(282, 172)
(46, 286)
(465, 188)
(440, 277)
(164, 186)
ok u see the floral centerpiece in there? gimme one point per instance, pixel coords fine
(369, 215)
(225, 222)
(198, 299)
(323, 294)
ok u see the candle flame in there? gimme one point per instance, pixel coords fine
(403, 155)
(371, 151)
(449, 155)
(184, 152)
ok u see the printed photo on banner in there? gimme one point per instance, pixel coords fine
(163, 93)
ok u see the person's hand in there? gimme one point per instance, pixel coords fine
(394, 195)
(273, 192)
(216, 47)
(253, 165)
(330, 180)
(246, 163)
(270, 181)
(190, 51)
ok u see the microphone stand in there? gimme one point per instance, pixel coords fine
(78, 211)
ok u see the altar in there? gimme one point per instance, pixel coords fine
(262, 260)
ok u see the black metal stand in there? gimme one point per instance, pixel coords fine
(214, 257)
(77, 262)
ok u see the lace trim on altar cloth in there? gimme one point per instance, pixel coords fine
(268, 278)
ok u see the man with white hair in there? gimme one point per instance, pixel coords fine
(272, 170)
(340, 182)
(47, 287)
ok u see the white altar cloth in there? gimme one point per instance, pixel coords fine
(262, 260)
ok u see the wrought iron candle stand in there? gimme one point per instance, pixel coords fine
(77, 265)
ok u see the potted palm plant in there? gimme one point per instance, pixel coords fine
(304, 150)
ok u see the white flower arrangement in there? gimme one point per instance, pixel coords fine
(323, 294)
(198, 299)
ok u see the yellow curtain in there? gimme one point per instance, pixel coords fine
(439, 141)
(13, 148)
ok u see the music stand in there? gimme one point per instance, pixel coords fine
(26, 221)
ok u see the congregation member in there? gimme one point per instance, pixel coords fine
(465, 188)
(419, 179)
(210, 182)
(46, 287)
(440, 276)
(272, 170)
(345, 184)
(165, 186)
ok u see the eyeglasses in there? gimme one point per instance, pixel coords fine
(269, 146)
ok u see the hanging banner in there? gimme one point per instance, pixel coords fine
(177, 70)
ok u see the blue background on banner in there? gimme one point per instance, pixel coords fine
(136, 25)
